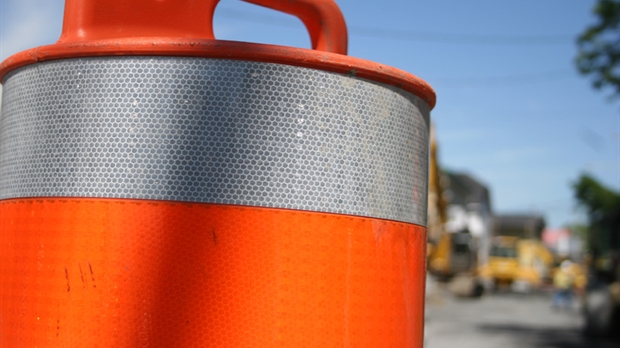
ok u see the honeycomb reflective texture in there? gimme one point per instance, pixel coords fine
(215, 131)
(117, 273)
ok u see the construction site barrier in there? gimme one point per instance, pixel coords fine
(160, 188)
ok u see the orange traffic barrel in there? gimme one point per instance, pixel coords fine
(161, 188)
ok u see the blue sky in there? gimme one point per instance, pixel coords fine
(511, 110)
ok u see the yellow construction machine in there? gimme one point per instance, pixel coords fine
(451, 256)
(523, 264)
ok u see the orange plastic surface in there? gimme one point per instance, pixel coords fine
(109, 19)
(87, 20)
(127, 273)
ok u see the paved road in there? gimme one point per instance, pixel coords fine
(504, 321)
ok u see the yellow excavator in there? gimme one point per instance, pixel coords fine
(503, 262)
(452, 257)
(438, 244)
(518, 258)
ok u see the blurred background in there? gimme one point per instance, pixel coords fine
(524, 206)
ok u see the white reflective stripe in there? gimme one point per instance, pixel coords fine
(220, 131)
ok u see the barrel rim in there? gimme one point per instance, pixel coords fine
(234, 50)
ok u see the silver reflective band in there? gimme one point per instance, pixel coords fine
(219, 131)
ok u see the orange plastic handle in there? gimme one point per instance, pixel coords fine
(322, 18)
(91, 20)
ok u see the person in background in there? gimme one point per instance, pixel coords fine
(563, 284)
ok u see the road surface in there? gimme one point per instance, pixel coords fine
(504, 320)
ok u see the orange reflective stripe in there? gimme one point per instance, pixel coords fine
(131, 273)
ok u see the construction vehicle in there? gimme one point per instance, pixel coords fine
(452, 255)
(518, 258)
(503, 263)
(437, 205)
(535, 263)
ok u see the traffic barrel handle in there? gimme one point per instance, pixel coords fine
(322, 18)
(116, 19)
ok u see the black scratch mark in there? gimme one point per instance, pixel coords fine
(92, 274)
(82, 276)
(214, 236)
(67, 276)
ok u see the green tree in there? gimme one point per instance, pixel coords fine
(595, 198)
(599, 47)
(603, 208)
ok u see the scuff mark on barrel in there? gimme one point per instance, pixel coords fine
(82, 276)
(214, 236)
(67, 277)
(92, 274)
